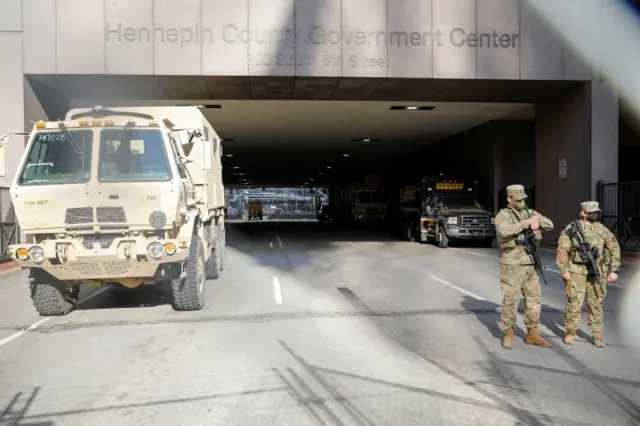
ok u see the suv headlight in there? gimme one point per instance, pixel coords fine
(36, 254)
(452, 220)
(155, 250)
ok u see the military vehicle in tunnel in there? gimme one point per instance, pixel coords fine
(128, 196)
(442, 209)
(360, 205)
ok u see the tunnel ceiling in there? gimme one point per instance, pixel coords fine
(286, 132)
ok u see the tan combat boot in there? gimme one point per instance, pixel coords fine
(598, 339)
(507, 341)
(569, 338)
(533, 338)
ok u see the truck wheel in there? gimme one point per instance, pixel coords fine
(223, 245)
(188, 292)
(214, 262)
(409, 232)
(441, 238)
(48, 297)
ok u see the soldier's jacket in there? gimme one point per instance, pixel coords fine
(568, 258)
(509, 227)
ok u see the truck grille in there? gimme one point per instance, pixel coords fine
(111, 214)
(474, 221)
(78, 215)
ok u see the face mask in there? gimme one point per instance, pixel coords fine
(520, 205)
(593, 217)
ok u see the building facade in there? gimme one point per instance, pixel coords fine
(492, 40)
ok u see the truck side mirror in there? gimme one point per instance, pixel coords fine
(207, 153)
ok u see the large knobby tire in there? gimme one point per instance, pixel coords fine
(214, 261)
(223, 243)
(49, 298)
(442, 240)
(188, 292)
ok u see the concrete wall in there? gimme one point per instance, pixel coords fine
(497, 154)
(487, 39)
(578, 128)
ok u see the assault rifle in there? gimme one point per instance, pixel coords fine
(529, 244)
(588, 253)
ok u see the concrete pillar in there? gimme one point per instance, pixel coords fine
(576, 145)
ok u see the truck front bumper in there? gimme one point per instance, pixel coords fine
(75, 259)
(470, 234)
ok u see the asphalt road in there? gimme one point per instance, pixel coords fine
(312, 326)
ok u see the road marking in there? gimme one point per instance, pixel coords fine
(270, 244)
(44, 320)
(277, 292)
(498, 257)
(326, 265)
(455, 287)
(279, 241)
(355, 245)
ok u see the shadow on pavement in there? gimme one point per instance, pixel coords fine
(122, 298)
(16, 410)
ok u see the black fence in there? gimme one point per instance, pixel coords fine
(620, 204)
(9, 231)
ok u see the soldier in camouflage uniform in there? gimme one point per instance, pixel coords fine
(580, 280)
(518, 275)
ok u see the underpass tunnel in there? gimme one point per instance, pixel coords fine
(336, 133)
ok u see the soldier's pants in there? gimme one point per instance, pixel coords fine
(577, 288)
(520, 280)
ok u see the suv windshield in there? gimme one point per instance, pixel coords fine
(460, 203)
(139, 156)
(54, 158)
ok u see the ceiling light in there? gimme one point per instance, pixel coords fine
(229, 155)
(236, 167)
(412, 108)
(366, 140)
(239, 174)
(345, 155)
(328, 167)
(319, 174)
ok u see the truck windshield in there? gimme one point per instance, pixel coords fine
(368, 197)
(54, 158)
(140, 155)
(453, 202)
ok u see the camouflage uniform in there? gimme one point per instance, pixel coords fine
(518, 275)
(583, 282)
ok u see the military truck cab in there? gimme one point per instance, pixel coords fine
(127, 196)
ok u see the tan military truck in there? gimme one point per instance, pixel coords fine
(129, 196)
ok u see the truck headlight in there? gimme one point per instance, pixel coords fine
(452, 220)
(36, 254)
(22, 253)
(155, 250)
(493, 220)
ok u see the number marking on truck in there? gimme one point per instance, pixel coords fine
(36, 202)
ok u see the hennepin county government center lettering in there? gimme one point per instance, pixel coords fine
(317, 34)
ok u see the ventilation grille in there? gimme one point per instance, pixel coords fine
(78, 215)
(111, 215)
(475, 221)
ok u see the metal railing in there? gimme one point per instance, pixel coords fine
(620, 205)
(9, 231)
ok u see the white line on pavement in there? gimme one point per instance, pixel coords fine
(455, 287)
(277, 292)
(279, 240)
(44, 320)
(498, 257)
(355, 245)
